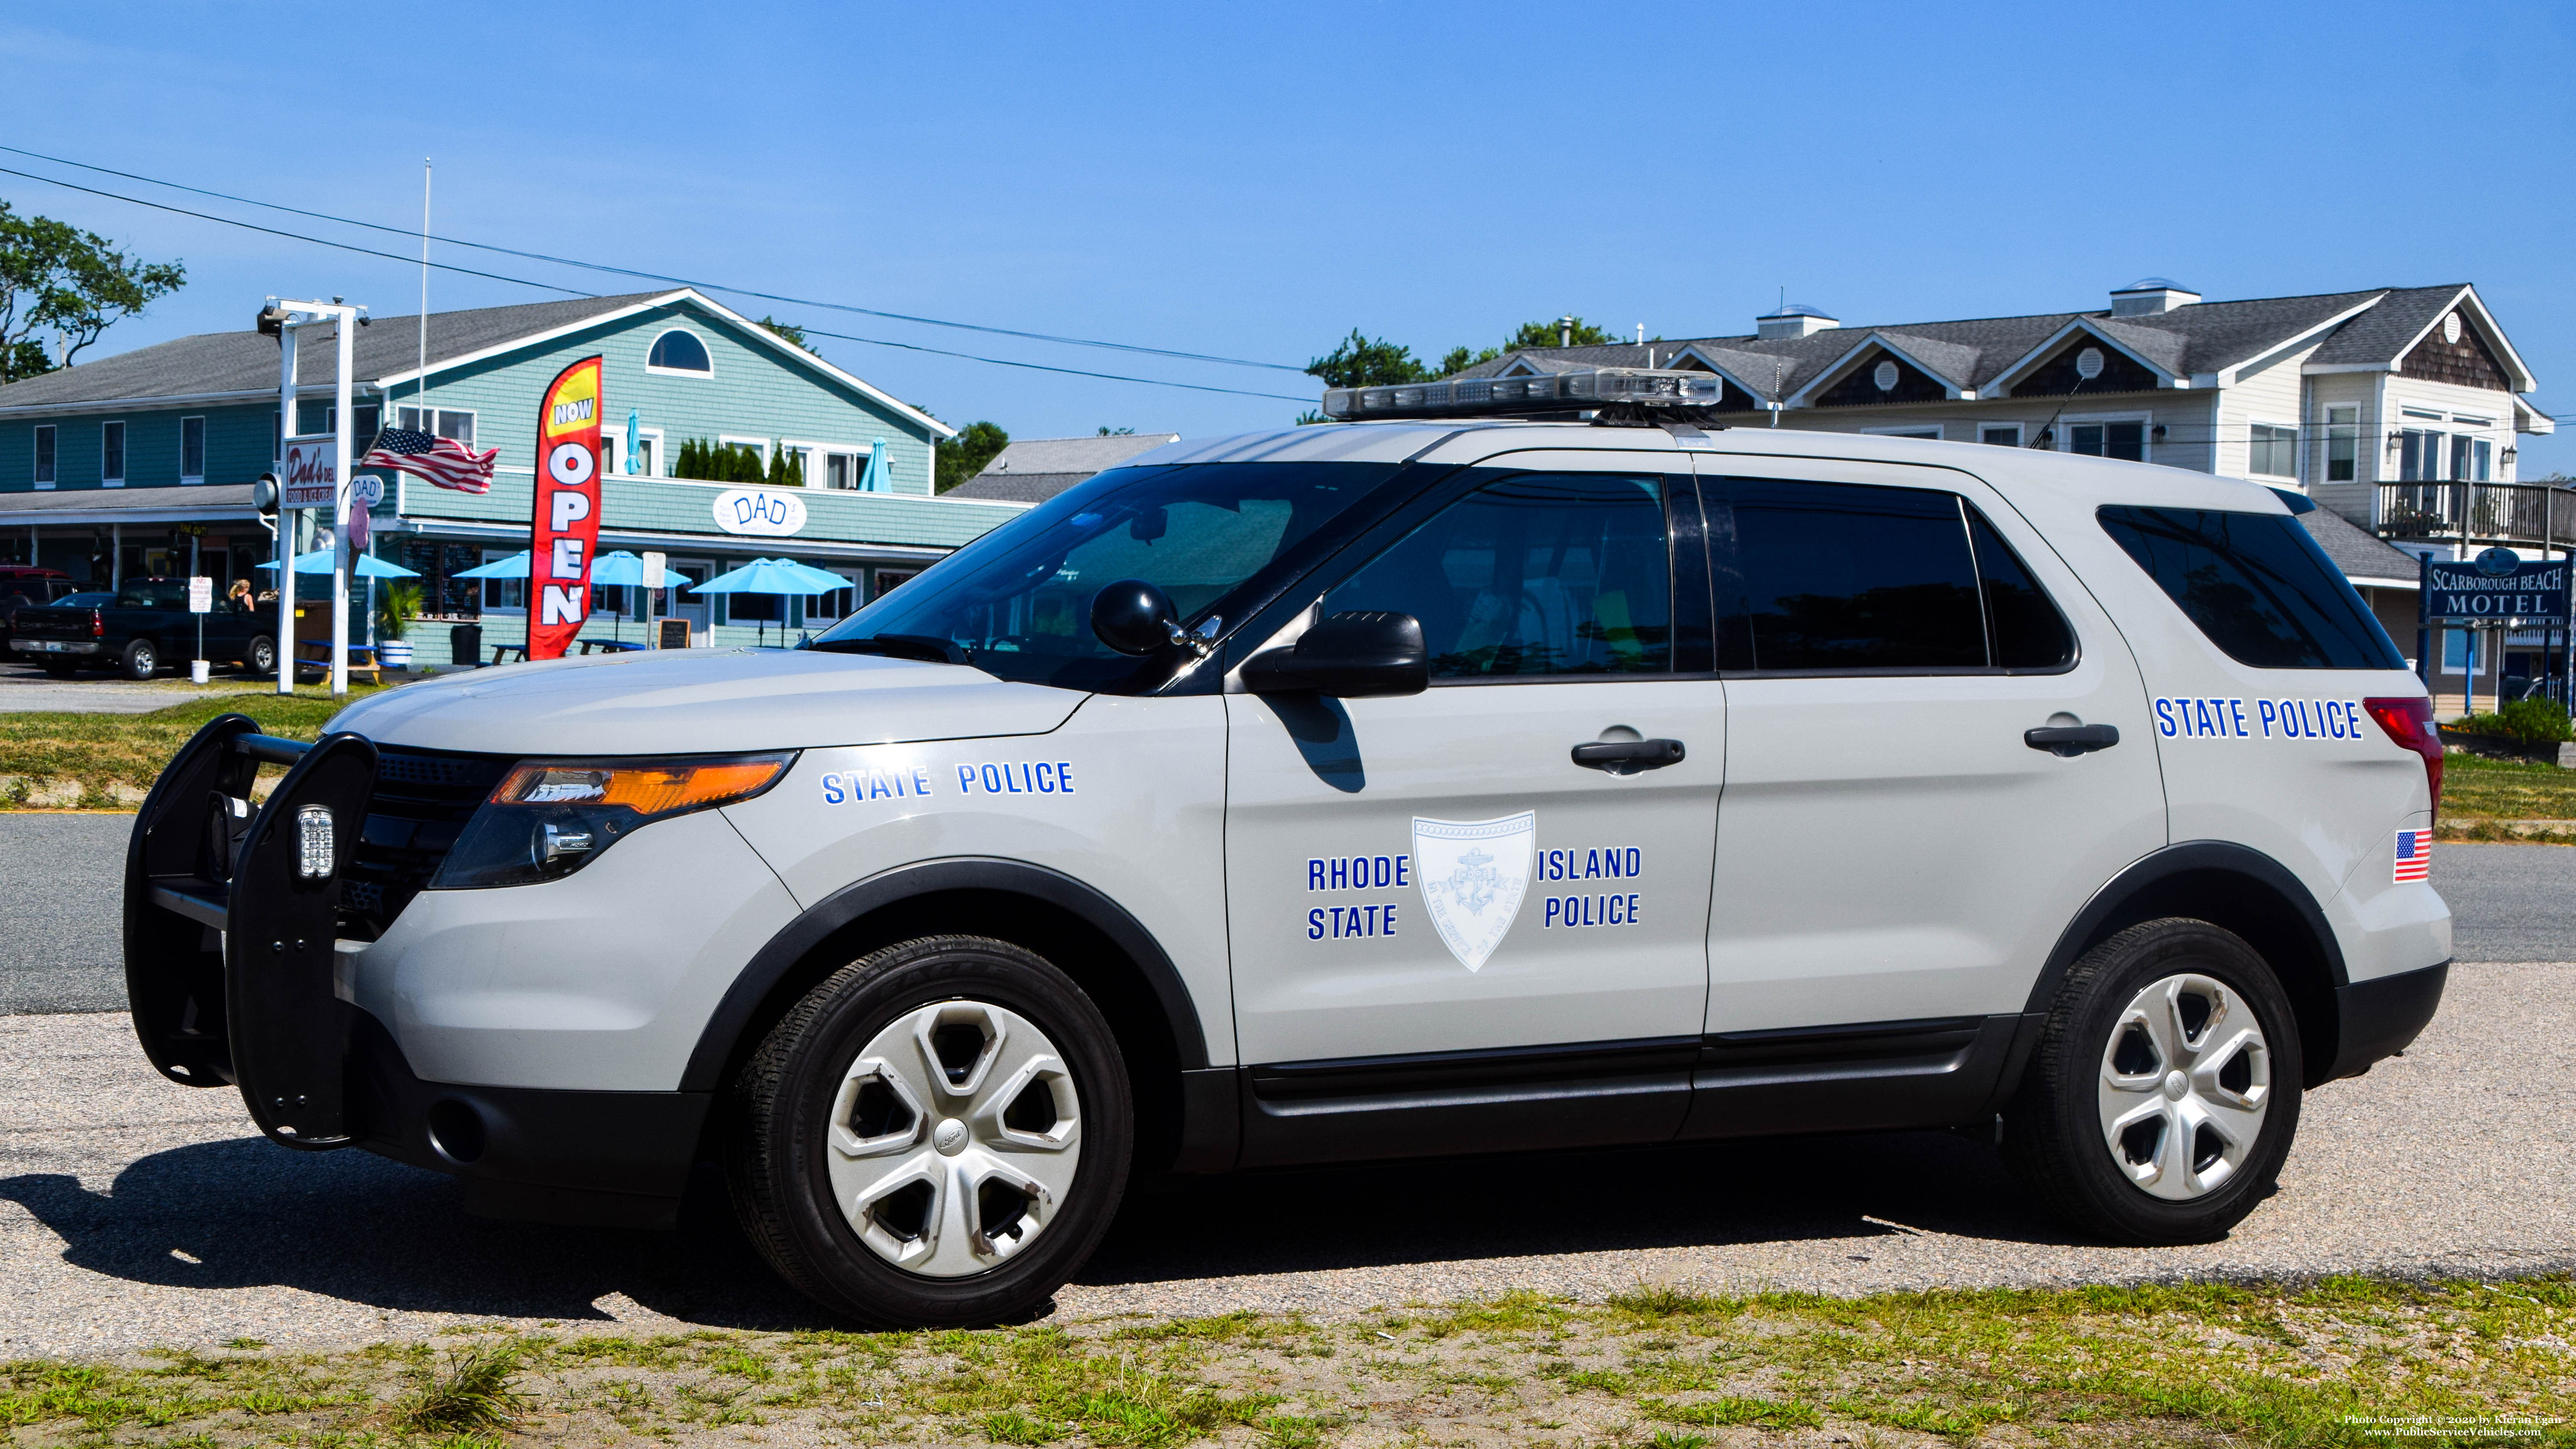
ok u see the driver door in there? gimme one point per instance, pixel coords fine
(1448, 934)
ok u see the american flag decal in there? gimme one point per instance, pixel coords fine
(443, 461)
(2414, 855)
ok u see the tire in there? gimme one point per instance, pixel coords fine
(838, 1105)
(260, 657)
(140, 660)
(2101, 1128)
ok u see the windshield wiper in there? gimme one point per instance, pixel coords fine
(929, 648)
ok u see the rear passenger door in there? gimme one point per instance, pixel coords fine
(1891, 848)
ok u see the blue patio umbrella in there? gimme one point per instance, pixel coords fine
(874, 478)
(618, 570)
(513, 567)
(633, 429)
(367, 566)
(783, 576)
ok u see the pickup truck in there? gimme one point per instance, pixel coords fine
(139, 628)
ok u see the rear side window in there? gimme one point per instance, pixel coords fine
(2256, 584)
(1844, 578)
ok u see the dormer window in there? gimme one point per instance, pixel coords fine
(680, 351)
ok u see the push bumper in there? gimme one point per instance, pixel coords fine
(56, 646)
(2378, 1018)
(235, 974)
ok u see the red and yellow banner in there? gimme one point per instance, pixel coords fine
(564, 532)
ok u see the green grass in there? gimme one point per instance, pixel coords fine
(2333, 1363)
(2477, 791)
(100, 750)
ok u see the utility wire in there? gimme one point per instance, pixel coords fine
(576, 292)
(407, 232)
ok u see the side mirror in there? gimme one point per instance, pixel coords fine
(1348, 656)
(1134, 617)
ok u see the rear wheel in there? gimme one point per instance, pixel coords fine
(261, 656)
(140, 660)
(2164, 1093)
(936, 1136)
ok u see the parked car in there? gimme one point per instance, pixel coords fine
(139, 628)
(24, 584)
(1443, 787)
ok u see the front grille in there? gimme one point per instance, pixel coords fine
(422, 802)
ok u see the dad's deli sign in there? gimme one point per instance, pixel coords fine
(564, 531)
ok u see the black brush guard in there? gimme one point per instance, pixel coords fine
(230, 952)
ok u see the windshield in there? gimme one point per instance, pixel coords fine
(153, 594)
(1018, 600)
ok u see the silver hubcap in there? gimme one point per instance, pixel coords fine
(955, 1137)
(2186, 1080)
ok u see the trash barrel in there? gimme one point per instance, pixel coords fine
(465, 645)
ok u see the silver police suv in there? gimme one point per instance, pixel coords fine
(1441, 785)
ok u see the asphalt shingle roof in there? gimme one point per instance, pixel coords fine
(1037, 469)
(229, 362)
(2200, 337)
(2354, 550)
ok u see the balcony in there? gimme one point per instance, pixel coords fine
(2513, 513)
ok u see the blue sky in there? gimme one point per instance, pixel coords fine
(1256, 181)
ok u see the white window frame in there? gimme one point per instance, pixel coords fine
(2322, 466)
(649, 437)
(473, 420)
(502, 588)
(2066, 425)
(858, 595)
(757, 445)
(649, 366)
(2016, 429)
(105, 478)
(907, 575)
(1929, 431)
(45, 455)
(2250, 425)
(200, 475)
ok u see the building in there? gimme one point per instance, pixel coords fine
(1038, 469)
(2397, 409)
(124, 465)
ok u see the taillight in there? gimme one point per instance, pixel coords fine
(2410, 723)
(97, 624)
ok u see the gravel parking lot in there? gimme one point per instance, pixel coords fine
(134, 1211)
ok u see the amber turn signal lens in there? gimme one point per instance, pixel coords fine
(648, 787)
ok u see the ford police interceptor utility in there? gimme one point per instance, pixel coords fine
(1447, 782)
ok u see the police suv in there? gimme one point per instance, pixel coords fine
(1493, 773)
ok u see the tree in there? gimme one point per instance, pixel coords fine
(1550, 332)
(1459, 359)
(1367, 362)
(1107, 431)
(56, 278)
(788, 330)
(964, 456)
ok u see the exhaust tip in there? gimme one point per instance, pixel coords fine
(456, 1131)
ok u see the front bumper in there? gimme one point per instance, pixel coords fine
(236, 976)
(56, 646)
(2381, 1017)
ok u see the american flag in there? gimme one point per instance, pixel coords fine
(2414, 855)
(443, 461)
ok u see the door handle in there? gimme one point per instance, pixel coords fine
(1627, 757)
(2068, 741)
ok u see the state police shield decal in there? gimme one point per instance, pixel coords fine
(1473, 874)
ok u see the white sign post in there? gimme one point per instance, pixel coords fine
(345, 321)
(201, 602)
(652, 585)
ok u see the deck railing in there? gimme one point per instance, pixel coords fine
(2506, 512)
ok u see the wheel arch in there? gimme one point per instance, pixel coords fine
(1085, 933)
(2240, 890)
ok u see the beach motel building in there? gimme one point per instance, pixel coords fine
(120, 467)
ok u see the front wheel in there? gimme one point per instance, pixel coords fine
(2164, 1092)
(935, 1136)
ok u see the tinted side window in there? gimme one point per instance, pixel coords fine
(1839, 576)
(2256, 584)
(2023, 628)
(1535, 574)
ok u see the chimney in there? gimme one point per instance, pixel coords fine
(1794, 319)
(2149, 295)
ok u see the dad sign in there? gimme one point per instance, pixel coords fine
(310, 475)
(564, 532)
(2495, 586)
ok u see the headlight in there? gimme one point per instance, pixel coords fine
(549, 818)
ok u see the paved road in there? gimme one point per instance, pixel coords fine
(25, 687)
(134, 1211)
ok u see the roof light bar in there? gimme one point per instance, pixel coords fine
(1503, 397)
